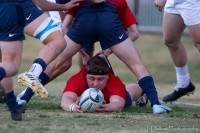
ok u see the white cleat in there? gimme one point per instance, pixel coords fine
(30, 80)
(160, 109)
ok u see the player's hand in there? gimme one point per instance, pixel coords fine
(76, 107)
(102, 108)
(160, 4)
(71, 4)
(106, 52)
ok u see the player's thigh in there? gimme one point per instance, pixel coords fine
(45, 29)
(173, 27)
(12, 51)
(71, 49)
(127, 52)
(31, 27)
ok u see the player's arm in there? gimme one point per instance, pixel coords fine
(49, 6)
(116, 104)
(70, 102)
(68, 19)
(133, 32)
(67, 22)
(106, 52)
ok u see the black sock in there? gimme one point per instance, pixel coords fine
(147, 84)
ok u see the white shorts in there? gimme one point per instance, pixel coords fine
(47, 27)
(188, 9)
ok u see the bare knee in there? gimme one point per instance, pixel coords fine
(56, 38)
(172, 44)
(12, 66)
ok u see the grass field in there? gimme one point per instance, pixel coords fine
(46, 116)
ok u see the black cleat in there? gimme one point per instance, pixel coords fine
(16, 114)
(2, 94)
(179, 92)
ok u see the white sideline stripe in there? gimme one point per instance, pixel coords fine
(185, 103)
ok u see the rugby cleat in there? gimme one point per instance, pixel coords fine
(160, 109)
(142, 101)
(2, 94)
(16, 114)
(30, 80)
(22, 104)
(179, 92)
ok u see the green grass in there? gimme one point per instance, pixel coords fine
(46, 115)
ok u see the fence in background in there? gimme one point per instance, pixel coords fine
(149, 18)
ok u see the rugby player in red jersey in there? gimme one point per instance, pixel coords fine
(97, 74)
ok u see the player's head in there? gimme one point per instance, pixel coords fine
(97, 72)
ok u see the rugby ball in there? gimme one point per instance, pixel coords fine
(91, 99)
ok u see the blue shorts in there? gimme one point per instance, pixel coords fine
(31, 11)
(128, 100)
(92, 26)
(12, 21)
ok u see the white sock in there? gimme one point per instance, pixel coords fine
(182, 76)
(36, 69)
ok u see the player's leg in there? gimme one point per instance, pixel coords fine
(115, 37)
(128, 53)
(195, 35)
(173, 27)
(2, 90)
(11, 60)
(11, 37)
(54, 69)
(48, 32)
(63, 61)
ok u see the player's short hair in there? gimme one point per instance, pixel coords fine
(97, 65)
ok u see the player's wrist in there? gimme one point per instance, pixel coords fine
(71, 107)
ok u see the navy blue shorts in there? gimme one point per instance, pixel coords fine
(11, 21)
(92, 26)
(31, 11)
(128, 100)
